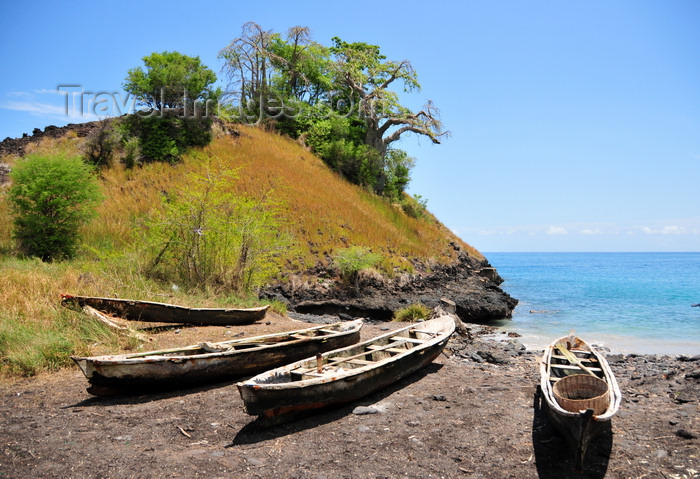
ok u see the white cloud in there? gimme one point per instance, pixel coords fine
(591, 231)
(19, 94)
(34, 107)
(666, 230)
(557, 230)
(44, 104)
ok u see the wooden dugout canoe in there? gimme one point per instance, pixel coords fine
(149, 311)
(579, 427)
(346, 374)
(209, 362)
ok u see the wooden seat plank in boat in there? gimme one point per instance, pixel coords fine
(580, 358)
(360, 361)
(410, 340)
(372, 348)
(571, 367)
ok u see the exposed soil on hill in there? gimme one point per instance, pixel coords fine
(472, 413)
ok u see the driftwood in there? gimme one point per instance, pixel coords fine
(110, 322)
(448, 307)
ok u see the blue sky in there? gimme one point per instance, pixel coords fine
(575, 124)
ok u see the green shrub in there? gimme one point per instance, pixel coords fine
(132, 152)
(51, 197)
(100, 145)
(278, 307)
(165, 137)
(351, 260)
(415, 207)
(210, 238)
(412, 313)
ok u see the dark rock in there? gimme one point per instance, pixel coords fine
(476, 298)
(689, 358)
(616, 358)
(476, 358)
(685, 395)
(490, 274)
(4, 173)
(492, 358)
(17, 146)
(439, 397)
(515, 345)
(686, 434)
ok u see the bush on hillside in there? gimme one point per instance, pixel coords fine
(165, 137)
(51, 197)
(101, 145)
(350, 261)
(414, 206)
(209, 238)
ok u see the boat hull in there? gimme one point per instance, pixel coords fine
(264, 397)
(149, 311)
(578, 428)
(123, 373)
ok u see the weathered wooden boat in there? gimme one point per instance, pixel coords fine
(150, 311)
(580, 392)
(209, 362)
(345, 374)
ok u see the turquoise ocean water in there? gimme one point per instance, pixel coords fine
(628, 302)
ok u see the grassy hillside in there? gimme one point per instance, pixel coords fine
(320, 211)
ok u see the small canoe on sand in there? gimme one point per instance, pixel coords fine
(346, 374)
(150, 311)
(580, 391)
(209, 362)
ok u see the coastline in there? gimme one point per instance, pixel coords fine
(629, 303)
(611, 343)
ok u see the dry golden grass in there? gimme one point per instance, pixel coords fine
(326, 212)
(322, 212)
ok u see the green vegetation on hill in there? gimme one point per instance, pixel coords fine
(319, 213)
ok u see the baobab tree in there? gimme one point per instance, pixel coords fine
(367, 76)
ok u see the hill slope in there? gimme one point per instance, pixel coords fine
(323, 213)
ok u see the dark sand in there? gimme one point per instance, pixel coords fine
(456, 418)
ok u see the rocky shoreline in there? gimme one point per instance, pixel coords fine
(470, 283)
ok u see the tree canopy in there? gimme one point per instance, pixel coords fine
(341, 100)
(170, 80)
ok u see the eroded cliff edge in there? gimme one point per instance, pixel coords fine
(472, 284)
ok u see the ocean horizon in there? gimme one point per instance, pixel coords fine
(626, 302)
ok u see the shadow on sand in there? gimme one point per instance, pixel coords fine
(146, 395)
(554, 458)
(258, 430)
